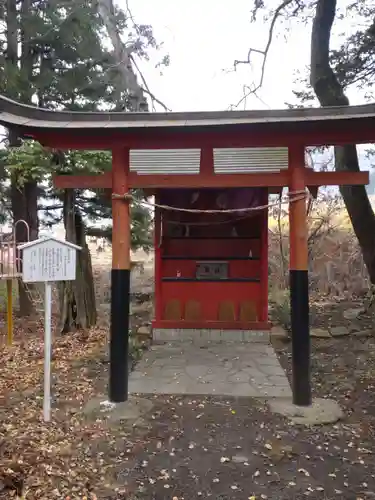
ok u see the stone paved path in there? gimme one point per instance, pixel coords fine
(228, 369)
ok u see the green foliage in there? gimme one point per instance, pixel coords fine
(71, 72)
(63, 60)
(354, 60)
(85, 162)
(29, 161)
(96, 206)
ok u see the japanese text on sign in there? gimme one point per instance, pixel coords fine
(49, 261)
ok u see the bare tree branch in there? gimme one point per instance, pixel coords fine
(253, 89)
(130, 16)
(146, 88)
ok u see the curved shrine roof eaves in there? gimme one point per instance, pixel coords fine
(15, 115)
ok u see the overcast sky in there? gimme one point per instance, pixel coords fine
(204, 37)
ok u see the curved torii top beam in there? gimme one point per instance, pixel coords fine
(312, 126)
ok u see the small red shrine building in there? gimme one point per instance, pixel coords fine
(210, 268)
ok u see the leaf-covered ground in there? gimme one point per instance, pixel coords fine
(235, 449)
(187, 448)
(53, 460)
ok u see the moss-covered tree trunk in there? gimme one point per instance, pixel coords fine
(77, 298)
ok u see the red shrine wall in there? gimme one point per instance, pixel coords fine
(211, 270)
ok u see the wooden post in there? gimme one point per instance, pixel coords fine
(299, 282)
(158, 231)
(120, 277)
(9, 284)
(264, 260)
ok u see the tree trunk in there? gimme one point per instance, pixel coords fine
(24, 208)
(24, 195)
(122, 54)
(11, 56)
(77, 298)
(330, 93)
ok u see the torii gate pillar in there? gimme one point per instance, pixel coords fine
(299, 280)
(120, 278)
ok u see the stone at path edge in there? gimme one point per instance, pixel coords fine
(321, 411)
(339, 331)
(130, 411)
(320, 333)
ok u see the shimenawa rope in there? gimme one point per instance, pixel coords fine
(291, 197)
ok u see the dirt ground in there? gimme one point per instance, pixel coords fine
(187, 448)
(236, 449)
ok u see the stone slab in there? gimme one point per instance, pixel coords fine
(353, 313)
(229, 369)
(339, 331)
(363, 333)
(129, 412)
(321, 411)
(209, 335)
(279, 332)
(319, 333)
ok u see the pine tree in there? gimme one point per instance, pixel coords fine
(56, 55)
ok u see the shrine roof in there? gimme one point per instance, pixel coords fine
(25, 117)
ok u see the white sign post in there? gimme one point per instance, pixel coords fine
(47, 350)
(44, 261)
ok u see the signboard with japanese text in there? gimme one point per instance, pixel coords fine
(44, 261)
(48, 259)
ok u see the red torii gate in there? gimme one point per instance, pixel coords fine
(121, 132)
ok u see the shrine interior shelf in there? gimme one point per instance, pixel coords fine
(212, 280)
(209, 258)
(191, 238)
